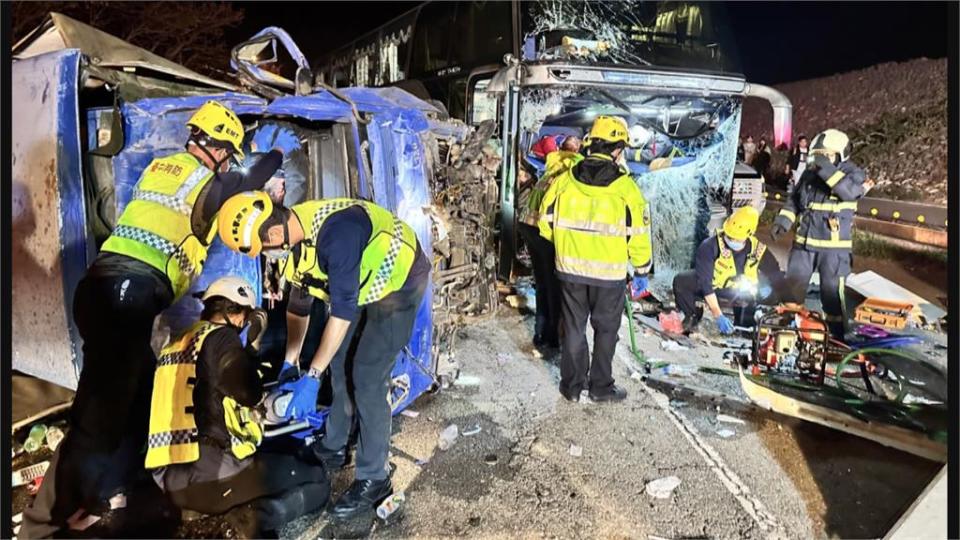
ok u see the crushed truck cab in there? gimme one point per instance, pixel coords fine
(91, 113)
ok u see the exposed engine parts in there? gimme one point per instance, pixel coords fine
(464, 211)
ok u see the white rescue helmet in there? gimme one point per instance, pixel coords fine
(832, 143)
(235, 289)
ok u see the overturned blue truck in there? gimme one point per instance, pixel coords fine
(91, 111)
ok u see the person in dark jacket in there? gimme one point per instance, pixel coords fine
(216, 466)
(731, 264)
(823, 204)
(798, 158)
(367, 264)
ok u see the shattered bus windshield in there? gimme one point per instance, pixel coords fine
(681, 151)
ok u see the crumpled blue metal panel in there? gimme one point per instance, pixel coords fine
(322, 106)
(291, 46)
(157, 127)
(402, 184)
(678, 198)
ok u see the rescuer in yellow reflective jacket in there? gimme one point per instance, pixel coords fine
(202, 446)
(598, 222)
(368, 266)
(822, 204)
(731, 264)
(150, 260)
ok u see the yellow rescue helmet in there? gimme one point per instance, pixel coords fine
(233, 288)
(833, 143)
(741, 224)
(218, 122)
(240, 219)
(609, 128)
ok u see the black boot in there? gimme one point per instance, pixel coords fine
(690, 322)
(363, 496)
(332, 460)
(614, 394)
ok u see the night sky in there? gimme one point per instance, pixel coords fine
(776, 41)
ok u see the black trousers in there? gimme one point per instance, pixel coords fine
(281, 487)
(603, 306)
(361, 380)
(547, 325)
(833, 267)
(101, 455)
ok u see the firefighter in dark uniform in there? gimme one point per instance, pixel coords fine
(731, 264)
(822, 204)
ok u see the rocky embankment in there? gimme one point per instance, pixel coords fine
(896, 114)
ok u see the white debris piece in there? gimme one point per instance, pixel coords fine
(448, 436)
(669, 345)
(662, 487)
(726, 433)
(409, 414)
(729, 419)
(471, 431)
(575, 450)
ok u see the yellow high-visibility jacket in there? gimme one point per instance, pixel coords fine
(596, 230)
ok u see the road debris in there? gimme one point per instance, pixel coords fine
(29, 474)
(54, 437)
(726, 433)
(575, 450)
(472, 431)
(729, 419)
(662, 487)
(409, 413)
(448, 437)
(35, 438)
(490, 459)
(669, 345)
(390, 505)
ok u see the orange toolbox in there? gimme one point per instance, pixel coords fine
(886, 313)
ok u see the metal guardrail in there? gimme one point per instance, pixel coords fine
(902, 212)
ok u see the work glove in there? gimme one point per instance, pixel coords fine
(764, 292)
(269, 137)
(638, 285)
(824, 166)
(258, 325)
(724, 325)
(288, 373)
(304, 400)
(777, 230)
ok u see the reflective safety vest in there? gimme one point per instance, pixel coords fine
(557, 162)
(588, 227)
(725, 269)
(173, 437)
(155, 226)
(384, 265)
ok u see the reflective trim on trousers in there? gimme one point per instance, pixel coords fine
(815, 242)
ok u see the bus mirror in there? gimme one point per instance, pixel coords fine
(501, 80)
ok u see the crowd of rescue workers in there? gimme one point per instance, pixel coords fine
(184, 421)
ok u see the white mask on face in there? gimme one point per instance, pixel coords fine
(275, 254)
(734, 245)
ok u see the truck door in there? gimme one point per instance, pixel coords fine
(50, 248)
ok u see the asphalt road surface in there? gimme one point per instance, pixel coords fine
(543, 467)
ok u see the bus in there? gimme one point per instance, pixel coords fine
(549, 67)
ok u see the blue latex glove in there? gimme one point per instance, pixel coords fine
(269, 137)
(288, 373)
(304, 401)
(637, 286)
(286, 141)
(724, 325)
(764, 292)
(262, 140)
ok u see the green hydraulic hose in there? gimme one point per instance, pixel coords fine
(846, 359)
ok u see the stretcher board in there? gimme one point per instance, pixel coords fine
(913, 442)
